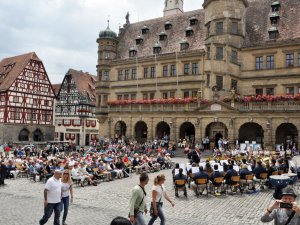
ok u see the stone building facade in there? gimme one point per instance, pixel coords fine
(230, 70)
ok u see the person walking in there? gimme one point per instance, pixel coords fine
(158, 191)
(67, 191)
(138, 202)
(52, 198)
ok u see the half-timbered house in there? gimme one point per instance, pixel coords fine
(26, 100)
(74, 112)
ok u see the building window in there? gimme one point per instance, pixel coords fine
(195, 69)
(33, 116)
(152, 95)
(126, 74)
(219, 28)
(165, 71)
(208, 31)
(105, 98)
(207, 80)
(273, 34)
(259, 91)
(133, 96)
(156, 50)
(234, 27)
(46, 102)
(162, 36)
(145, 72)
(270, 91)
(126, 97)
(35, 102)
(132, 53)
(152, 72)
(107, 55)
(139, 40)
(168, 25)
(219, 55)
(184, 45)
(208, 52)
(133, 74)
(290, 91)
(15, 99)
(186, 94)
(105, 76)
(259, 63)
(165, 95)
(119, 97)
(270, 62)
(186, 69)
(145, 30)
(219, 82)
(234, 56)
(145, 96)
(173, 70)
(189, 32)
(234, 84)
(193, 21)
(194, 94)
(172, 94)
(289, 60)
(120, 74)
(12, 113)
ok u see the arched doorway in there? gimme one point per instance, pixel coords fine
(215, 131)
(120, 129)
(141, 132)
(287, 135)
(187, 131)
(24, 135)
(163, 130)
(251, 132)
(38, 135)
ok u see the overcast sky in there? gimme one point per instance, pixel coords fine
(63, 33)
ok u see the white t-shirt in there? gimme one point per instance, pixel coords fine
(160, 191)
(65, 189)
(54, 190)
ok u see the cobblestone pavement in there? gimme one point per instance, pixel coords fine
(21, 202)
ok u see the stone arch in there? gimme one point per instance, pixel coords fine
(38, 135)
(163, 130)
(141, 131)
(287, 134)
(187, 131)
(251, 132)
(215, 131)
(24, 135)
(120, 129)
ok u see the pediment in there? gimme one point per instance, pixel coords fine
(216, 106)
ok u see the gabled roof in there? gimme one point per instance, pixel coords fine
(56, 88)
(180, 22)
(85, 83)
(11, 68)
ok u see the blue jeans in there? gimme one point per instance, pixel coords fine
(140, 219)
(65, 202)
(56, 207)
(160, 215)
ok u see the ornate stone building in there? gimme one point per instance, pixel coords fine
(231, 70)
(26, 100)
(75, 119)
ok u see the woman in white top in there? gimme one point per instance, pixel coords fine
(159, 191)
(67, 190)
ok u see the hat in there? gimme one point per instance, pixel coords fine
(288, 191)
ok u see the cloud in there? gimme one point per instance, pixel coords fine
(63, 33)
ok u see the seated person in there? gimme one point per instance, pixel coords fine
(259, 169)
(180, 176)
(215, 174)
(82, 175)
(229, 174)
(200, 175)
(273, 168)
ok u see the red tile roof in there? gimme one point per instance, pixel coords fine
(11, 68)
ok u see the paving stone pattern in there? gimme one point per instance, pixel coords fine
(21, 202)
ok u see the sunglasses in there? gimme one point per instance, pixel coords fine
(66, 173)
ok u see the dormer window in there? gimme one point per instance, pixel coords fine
(157, 48)
(145, 30)
(162, 36)
(168, 25)
(184, 45)
(193, 21)
(275, 6)
(273, 33)
(139, 40)
(189, 32)
(132, 52)
(274, 18)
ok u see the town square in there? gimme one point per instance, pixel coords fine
(156, 112)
